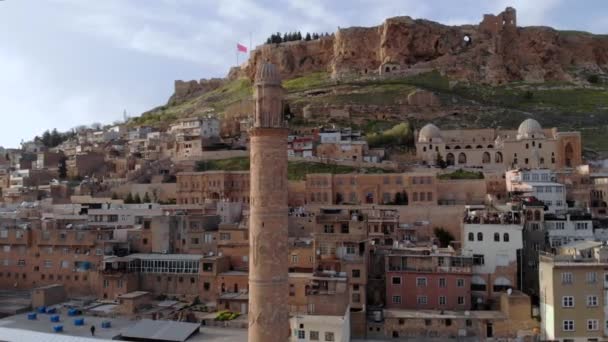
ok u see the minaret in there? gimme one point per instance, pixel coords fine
(268, 269)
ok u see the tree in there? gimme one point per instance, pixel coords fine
(129, 199)
(56, 138)
(137, 199)
(285, 37)
(114, 196)
(528, 95)
(299, 36)
(307, 38)
(63, 169)
(444, 236)
(440, 162)
(146, 198)
(46, 138)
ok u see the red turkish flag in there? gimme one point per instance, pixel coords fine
(241, 48)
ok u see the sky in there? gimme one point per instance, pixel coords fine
(65, 63)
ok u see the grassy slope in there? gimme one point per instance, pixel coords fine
(561, 105)
(295, 170)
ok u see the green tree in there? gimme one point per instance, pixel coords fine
(398, 198)
(308, 37)
(46, 138)
(114, 196)
(146, 198)
(137, 199)
(444, 236)
(129, 199)
(440, 162)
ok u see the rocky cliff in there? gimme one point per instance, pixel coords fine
(495, 51)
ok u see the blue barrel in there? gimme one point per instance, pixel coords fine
(72, 312)
(41, 309)
(31, 316)
(55, 318)
(51, 310)
(79, 321)
(58, 328)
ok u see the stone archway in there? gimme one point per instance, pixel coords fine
(498, 157)
(462, 158)
(449, 159)
(486, 158)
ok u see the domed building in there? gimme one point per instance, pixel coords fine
(530, 146)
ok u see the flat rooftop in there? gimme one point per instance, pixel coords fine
(19, 328)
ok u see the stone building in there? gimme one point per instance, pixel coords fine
(199, 187)
(530, 146)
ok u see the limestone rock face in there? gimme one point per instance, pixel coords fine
(495, 51)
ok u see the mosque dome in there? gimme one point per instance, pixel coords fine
(268, 73)
(428, 133)
(530, 128)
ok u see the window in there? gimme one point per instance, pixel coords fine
(461, 300)
(396, 281)
(329, 336)
(396, 299)
(471, 237)
(497, 237)
(442, 300)
(356, 298)
(421, 282)
(294, 259)
(356, 273)
(442, 282)
(21, 262)
(478, 259)
(48, 263)
(568, 302)
(120, 283)
(592, 324)
(301, 334)
(581, 226)
(567, 278)
(460, 282)
(314, 335)
(479, 236)
(505, 237)
(106, 283)
(591, 277)
(422, 300)
(591, 300)
(224, 236)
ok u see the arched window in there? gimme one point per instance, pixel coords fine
(498, 157)
(490, 146)
(449, 158)
(486, 158)
(479, 146)
(462, 158)
(471, 237)
(468, 147)
(569, 154)
(529, 215)
(480, 236)
(505, 237)
(497, 237)
(457, 147)
(424, 149)
(537, 215)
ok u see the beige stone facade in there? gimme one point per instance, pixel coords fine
(529, 147)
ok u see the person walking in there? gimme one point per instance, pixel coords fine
(92, 330)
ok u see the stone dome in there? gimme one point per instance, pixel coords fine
(528, 129)
(268, 73)
(428, 133)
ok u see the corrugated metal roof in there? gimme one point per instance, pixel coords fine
(161, 330)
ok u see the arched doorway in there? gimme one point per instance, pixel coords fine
(449, 159)
(498, 157)
(369, 198)
(568, 154)
(462, 158)
(486, 158)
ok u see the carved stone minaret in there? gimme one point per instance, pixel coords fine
(268, 269)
